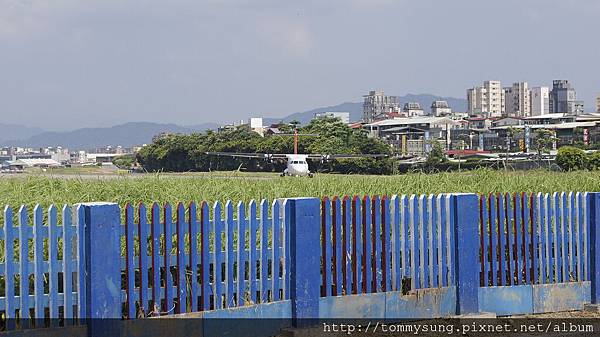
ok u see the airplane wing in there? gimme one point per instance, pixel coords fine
(346, 156)
(248, 155)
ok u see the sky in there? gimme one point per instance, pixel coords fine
(66, 64)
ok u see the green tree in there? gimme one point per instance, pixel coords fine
(570, 158)
(436, 156)
(543, 142)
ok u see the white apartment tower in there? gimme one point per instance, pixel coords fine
(598, 103)
(487, 100)
(540, 101)
(517, 100)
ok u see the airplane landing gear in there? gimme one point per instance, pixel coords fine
(310, 175)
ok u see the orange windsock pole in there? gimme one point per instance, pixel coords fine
(295, 141)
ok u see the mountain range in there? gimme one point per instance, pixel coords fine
(136, 133)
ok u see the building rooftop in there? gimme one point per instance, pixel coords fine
(416, 120)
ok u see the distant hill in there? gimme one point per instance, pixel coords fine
(355, 109)
(12, 131)
(126, 135)
(131, 134)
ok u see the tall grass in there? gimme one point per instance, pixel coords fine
(45, 190)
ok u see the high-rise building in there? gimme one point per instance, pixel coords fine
(540, 101)
(517, 100)
(487, 100)
(563, 98)
(440, 108)
(598, 103)
(376, 105)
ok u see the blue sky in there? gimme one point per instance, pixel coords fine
(66, 64)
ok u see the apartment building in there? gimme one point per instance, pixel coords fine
(563, 98)
(517, 100)
(487, 100)
(377, 105)
(540, 101)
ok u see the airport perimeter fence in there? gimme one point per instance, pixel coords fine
(405, 256)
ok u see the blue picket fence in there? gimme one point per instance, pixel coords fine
(199, 259)
(389, 257)
(42, 264)
(378, 244)
(532, 238)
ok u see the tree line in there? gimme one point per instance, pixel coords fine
(188, 152)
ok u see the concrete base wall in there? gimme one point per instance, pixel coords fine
(539, 298)
(423, 303)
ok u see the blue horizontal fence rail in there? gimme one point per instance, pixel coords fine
(378, 244)
(192, 258)
(530, 238)
(295, 256)
(41, 267)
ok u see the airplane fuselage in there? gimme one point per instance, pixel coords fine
(297, 166)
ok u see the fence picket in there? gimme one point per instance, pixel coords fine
(241, 258)
(528, 255)
(193, 230)
(494, 266)
(252, 252)
(264, 257)
(337, 235)
(421, 239)
(540, 209)
(23, 267)
(483, 275)
(129, 256)
(143, 259)
(53, 265)
(450, 213)
(441, 215)
(367, 254)
(38, 257)
(229, 254)
(376, 266)
(181, 266)
(433, 243)
(503, 256)
(385, 243)
(347, 245)
(405, 245)
(571, 275)
(395, 243)
(67, 263)
(356, 246)
(168, 232)
(9, 271)
(218, 275)
(325, 247)
(518, 237)
(562, 239)
(205, 262)
(413, 211)
(156, 280)
(556, 219)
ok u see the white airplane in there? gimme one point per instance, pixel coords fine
(297, 165)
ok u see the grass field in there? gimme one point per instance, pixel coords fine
(60, 189)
